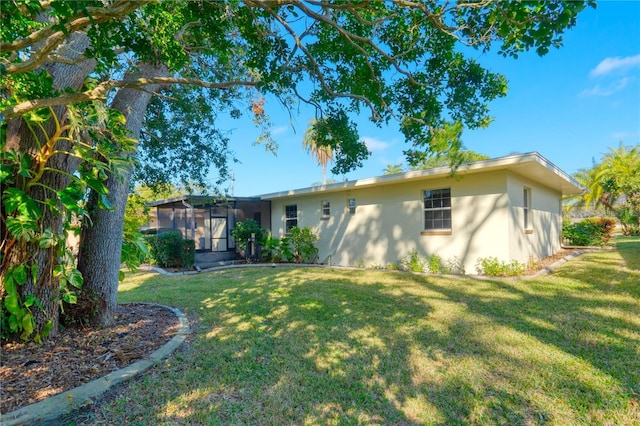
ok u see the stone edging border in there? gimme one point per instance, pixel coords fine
(65, 402)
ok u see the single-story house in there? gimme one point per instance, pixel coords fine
(508, 207)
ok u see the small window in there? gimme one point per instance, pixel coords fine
(351, 204)
(290, 217)
(437, 210)
(527, 209)
(326, 209)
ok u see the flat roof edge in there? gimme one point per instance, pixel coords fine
(504, 162)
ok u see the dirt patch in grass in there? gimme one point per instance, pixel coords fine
(550, 260)
(30, 373)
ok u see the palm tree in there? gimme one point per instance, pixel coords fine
(614, 183)
(322, 153)
(393, 169)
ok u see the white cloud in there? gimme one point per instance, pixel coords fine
(608, 90)
(375, 144)
(279, 130)
(625, 136)
(609, 65)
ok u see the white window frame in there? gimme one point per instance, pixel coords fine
(290, 219)
(526, 201)
(435, 204)
(325, 209)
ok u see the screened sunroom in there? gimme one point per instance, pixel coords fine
(208, 220)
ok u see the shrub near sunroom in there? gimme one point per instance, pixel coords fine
(169, 250)
(243, 230)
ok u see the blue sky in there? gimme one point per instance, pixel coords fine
(570, 105)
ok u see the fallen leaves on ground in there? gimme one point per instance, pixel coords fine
(30, 373)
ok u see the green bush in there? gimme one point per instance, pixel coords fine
(493, 267)
(169, 250)
(591, 231)
(271, 250)
(435, 264)
(412, 262)
(299, 246)
(243, 230)
(629, 220)
(303, 244)
(188, 253)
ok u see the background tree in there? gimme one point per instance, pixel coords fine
(323, 154)
(396, 60)
(614, 183)
(393, 169)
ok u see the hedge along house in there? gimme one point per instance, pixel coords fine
(509, 208)
(209, 221)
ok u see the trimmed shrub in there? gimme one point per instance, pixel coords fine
(592, 231)
(169, 250)
(188, 253)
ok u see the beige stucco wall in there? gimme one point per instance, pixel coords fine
(388, 221)
(543, 238)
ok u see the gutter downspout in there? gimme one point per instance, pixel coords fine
(193, 219)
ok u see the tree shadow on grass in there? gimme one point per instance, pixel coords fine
(295, 347)
(594, 318)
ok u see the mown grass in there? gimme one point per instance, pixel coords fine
(335, 347)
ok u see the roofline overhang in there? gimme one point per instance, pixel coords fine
(531, 165)
(199, 199)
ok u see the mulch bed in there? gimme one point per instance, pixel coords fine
(30, 373)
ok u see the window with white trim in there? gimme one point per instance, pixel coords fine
(437, 209)
(326, 209)
(527, 208)
(290, 217)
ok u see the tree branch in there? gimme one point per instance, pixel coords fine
(100, 92)
(52, 38)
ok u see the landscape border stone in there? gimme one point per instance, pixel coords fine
(65, 402)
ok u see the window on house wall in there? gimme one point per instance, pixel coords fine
(437, 210)
(351, 205)
(527, 209)
(290, 217)
(326, 209)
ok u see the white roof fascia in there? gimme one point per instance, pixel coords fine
(531, 165)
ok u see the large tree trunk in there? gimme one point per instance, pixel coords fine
(45, 287)
(101, 240)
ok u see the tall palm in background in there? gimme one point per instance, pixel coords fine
(393, 169)
(322, 153)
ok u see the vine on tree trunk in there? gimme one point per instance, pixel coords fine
(33, 291)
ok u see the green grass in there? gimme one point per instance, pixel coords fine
(335, 347)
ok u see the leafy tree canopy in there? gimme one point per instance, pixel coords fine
(395, 59)
(614, 183)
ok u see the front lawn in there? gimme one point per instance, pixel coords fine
(330, 346)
